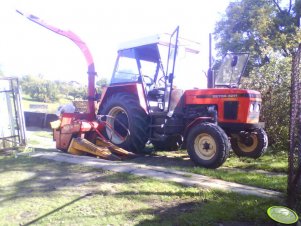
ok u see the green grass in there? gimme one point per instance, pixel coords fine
(241, 170)
(44, 134)
(270, 161)
(271, 182)
(42, 192)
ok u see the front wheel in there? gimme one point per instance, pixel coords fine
(251, 144)
(208, 145)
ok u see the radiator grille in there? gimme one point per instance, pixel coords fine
(230, 110)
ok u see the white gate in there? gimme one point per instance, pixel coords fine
(12, 123)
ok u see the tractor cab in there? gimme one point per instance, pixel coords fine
(143, 64)
(151, 62)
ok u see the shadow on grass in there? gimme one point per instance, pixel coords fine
(171, 160)
(57, 209)
(42, 176)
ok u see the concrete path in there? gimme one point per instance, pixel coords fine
(160, 173)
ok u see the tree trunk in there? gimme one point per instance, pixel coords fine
(294, 154)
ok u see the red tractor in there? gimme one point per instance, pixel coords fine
(142, 105)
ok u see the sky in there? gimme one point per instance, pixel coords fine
(27, 48)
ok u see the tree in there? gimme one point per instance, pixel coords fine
(266, 27)
(259, 27)
(40, 89)
(78, 92)
(102, 82)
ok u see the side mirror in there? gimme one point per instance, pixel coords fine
(234, 61)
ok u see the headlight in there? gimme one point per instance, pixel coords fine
(252, 107)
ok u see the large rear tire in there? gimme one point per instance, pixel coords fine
(251, 144)
(128, 119)
(208, 145)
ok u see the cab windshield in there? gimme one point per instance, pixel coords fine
(231, 69)
(140, 64)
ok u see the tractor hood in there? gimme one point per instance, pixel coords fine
(195, 96)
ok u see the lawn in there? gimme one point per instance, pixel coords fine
(35, 191)
(269, 171)
(41, 192)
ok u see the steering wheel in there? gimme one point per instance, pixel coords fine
(150, 82)
(161, 81)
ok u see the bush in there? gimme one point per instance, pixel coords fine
(273, 81)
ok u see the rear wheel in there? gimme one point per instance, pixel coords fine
(208, 145)
(128, 119)
(251, 144)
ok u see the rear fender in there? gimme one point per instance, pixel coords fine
(135, 89)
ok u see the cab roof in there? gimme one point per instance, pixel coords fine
(163, 39)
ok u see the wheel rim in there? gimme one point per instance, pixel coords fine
(253, 143)
(117, 117)
(205, 146)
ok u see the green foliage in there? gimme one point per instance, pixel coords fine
(270, 33)
(102, 82)
(258, 27)
(242, 26)
(273, 82)
(40, 89)
(78, 92)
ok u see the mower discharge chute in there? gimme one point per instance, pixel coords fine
(80, 132)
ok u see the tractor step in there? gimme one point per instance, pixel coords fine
(102, 149)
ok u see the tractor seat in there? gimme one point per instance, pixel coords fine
(155, 93)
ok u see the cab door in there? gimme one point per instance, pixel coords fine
(170, 67)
